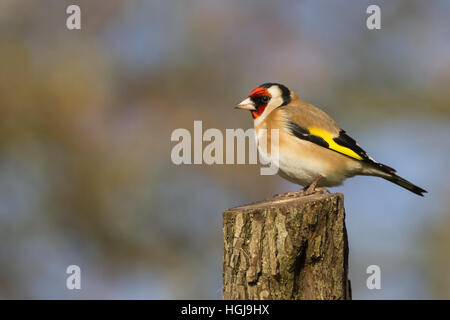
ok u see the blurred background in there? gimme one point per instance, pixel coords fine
(86, 117)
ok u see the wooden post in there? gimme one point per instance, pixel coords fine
(286, 248)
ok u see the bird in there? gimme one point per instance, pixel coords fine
(313, 151)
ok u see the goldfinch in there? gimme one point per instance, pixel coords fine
(313, 151)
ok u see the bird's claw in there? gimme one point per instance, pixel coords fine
(320, 190)
(288, 195)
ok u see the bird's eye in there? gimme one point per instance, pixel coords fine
(265, 98)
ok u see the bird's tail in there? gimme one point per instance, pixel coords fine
(390, 174)
(406, 184)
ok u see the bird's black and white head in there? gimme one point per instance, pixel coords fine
(265, 98)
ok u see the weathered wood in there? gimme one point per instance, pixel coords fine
(287, 248)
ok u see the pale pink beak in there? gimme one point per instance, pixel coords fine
(247, 104)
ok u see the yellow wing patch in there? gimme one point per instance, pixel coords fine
(328, 137)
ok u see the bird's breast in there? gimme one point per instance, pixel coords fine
(301, 161)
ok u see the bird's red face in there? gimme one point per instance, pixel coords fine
(256, 102)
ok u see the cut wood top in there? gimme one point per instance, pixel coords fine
(285, 201)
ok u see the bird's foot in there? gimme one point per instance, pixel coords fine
(312, 188)
(288, 195)
(321, 190)
(309, 191)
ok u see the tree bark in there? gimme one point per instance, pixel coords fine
(286, 248)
